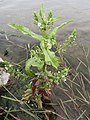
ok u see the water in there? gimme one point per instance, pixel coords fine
(21, 11)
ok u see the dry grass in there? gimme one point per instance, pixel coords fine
(72, 98)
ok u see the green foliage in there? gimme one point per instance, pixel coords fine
(71, 39)
(44, 57)
(13, 70)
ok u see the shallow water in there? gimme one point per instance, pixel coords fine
(21, 11)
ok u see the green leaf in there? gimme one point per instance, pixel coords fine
(36, 18)
(51, 58)
(34, 62)
(50, 15)
(27, 67)
(38, 63)
(27, 31)
(73, 34)
(53, 33)
(56, 19)
(41, 13)
(67, 43)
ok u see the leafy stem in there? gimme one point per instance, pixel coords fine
(43, 66)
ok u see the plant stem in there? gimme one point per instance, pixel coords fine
(39, 102)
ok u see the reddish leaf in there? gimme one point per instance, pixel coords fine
(33, 90)
(34, 81)
(47, 93)
(41, 90)
(37, 83)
